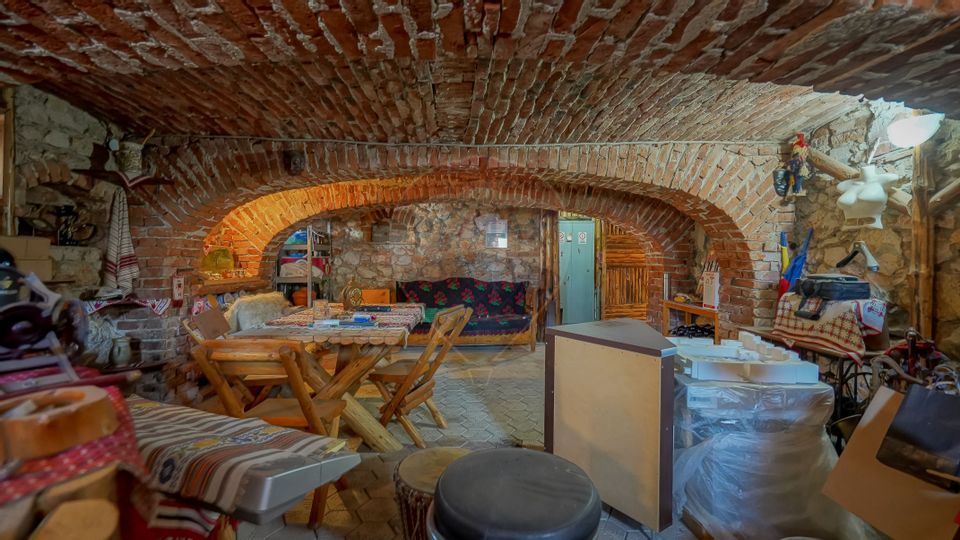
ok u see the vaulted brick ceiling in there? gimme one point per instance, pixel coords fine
(510, 71)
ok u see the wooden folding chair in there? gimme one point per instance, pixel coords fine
(221, 360)
(210, 324)
(407, 384)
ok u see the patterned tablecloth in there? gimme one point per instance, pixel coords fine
(120, 447)
(392, 327)
(400, 316)
(842, 325)
(203, 456)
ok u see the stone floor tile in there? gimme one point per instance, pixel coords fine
(348, 499)
(378, 509)
(340, 522)
(385, 490)
(372, 531)
(293, 532)
(360, 479)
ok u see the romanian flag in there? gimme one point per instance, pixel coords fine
(784, 253)
(795, 268)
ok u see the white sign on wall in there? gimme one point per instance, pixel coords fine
(581, 237)
(496, 233)
(711, 290)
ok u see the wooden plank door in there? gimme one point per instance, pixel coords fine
(623, 280)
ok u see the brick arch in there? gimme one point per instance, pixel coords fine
(258, 226)
(723, 187)
(256, 229)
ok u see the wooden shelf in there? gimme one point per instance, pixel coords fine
(302, 247)
(229, 285)
(298, 280)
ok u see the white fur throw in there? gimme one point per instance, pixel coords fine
(255, 310)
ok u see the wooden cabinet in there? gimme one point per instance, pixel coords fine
(609, 409)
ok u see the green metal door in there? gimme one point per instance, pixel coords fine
(578, 295)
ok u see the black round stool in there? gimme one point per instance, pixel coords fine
(513, 494)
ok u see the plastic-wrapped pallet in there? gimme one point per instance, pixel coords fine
(751, 460)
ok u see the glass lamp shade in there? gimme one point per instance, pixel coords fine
(913, 130)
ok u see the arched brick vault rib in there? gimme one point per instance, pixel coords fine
(256, 229)
(710, 182)
(724, 187)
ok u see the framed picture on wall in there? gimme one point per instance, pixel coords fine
(496, 234)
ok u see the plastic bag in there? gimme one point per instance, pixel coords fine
(751, 460)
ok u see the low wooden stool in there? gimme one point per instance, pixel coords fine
(416, 478)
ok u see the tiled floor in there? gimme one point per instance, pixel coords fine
(491, 397)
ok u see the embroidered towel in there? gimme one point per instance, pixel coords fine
(120, 266)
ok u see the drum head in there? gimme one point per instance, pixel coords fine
(420, 470)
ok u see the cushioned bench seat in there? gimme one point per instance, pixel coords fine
(504, 311)
(491, 326)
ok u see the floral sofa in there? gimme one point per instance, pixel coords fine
(504, 312)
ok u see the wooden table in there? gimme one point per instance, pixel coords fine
(366, 346)
(688, 311)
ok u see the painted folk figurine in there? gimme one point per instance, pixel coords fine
(798, 166)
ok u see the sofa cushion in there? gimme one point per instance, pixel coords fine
(487, 326)
(487, 298)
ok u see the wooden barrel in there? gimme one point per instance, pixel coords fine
(416, 478)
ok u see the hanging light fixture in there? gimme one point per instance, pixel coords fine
(913, 130)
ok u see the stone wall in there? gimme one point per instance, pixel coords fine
(52, 139)
(435, 241)
(851, 139)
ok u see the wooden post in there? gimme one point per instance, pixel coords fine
(922, 253)
(7, 180)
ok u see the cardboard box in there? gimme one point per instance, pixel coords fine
(43, 268)
(26, 247)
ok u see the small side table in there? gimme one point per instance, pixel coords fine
(689, 310)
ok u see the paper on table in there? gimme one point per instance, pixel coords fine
(899, 505)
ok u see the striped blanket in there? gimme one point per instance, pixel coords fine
(120, 267)
(204, 456)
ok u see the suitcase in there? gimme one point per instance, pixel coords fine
(828, 287)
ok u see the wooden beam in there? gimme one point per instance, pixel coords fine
(841, 171)
(940, 200)
(896, 205)
(831, 166)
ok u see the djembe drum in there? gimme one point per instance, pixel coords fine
(416, 478)
(514, 494)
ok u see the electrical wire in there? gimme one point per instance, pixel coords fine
(469, 145)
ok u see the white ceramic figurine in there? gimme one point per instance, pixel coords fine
(863, 198)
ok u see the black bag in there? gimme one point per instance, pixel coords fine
(924, 438)
(829, 287)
